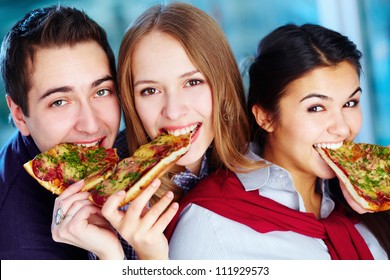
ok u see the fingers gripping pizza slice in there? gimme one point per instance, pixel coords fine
(365, 171)
(148, 162)
(66, 163)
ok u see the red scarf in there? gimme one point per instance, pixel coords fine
(223, 193)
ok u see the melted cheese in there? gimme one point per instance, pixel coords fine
(367, 166)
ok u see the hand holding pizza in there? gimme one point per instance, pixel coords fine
(77, 221)
(141, 227)
(77, 217)
(102, 170)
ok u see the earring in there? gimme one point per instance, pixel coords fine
(225, 117)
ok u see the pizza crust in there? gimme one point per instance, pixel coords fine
(91, 181)
(53, 186)
(109, 168)
(155, 172)
(366, 204)
(57, 188)
(103, 163)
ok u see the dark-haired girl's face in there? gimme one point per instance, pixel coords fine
(321, 108)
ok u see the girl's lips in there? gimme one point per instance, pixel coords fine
(193, 130)
(176, 131)
(182, 130)
(195, 133)
(332, 146)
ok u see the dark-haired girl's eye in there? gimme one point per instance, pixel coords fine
(315, 108)
(352, 103)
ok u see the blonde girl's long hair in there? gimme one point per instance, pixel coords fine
(209, 50)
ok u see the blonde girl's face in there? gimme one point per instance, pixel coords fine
(321, 108)
(172, 95)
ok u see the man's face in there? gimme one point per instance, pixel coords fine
(72, 98)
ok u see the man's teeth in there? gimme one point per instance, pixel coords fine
(89, 144)
(182, 131)
(332, 146)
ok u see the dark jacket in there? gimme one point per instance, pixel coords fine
(26, 209)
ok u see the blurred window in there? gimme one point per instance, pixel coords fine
(245, 22)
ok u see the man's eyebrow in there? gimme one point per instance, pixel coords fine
(102, 80)
(55, 90)
(187, 74)
(69, 88)
(324, 97)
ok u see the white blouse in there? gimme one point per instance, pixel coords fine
(203, 234)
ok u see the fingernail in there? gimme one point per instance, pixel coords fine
(170, 194)
(175, 205)
(121, 193)
(154, 183)
(79, 183)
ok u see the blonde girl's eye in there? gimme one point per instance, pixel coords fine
(149, 91)
(193, 82)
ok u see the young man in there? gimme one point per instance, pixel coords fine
(59, 75)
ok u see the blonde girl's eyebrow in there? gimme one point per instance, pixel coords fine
(142, 82)
(324, 97)
(187, 74)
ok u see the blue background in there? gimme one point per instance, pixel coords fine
(245, 22)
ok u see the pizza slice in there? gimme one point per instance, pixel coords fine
(66, 163)
(365, 171)
(148, 162)
(103, 173)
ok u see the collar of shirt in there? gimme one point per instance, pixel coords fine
(187, 180)
(276, 183)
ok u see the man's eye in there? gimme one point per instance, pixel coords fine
(103, 92)
(192, 83)
(58, 103)
(149, 91)
(316, 108)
